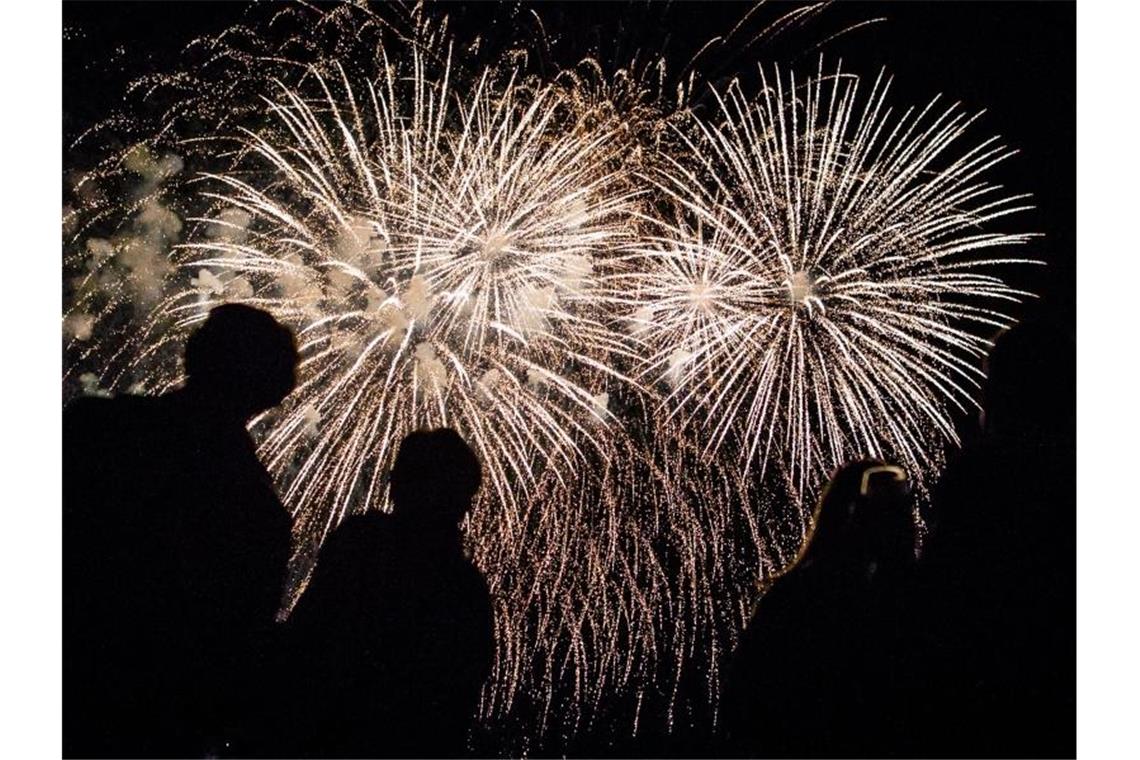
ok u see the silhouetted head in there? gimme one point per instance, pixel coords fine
(241, 360)
(885, 519)
(865, 514)
(435, 476)
(1031, 383)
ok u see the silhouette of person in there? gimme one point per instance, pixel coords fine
(1000, 597)
(175, 547)
(820, 667)
(394, 636)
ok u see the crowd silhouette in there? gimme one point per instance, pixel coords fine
(879, 640)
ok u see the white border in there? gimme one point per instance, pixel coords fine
(30, 574)
(1108, 345)
(1108, 129)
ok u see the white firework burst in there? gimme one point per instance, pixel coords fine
(823, 280)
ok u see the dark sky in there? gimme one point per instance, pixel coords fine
(1016, 60)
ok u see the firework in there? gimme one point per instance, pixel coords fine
(824, 280)
(641, 318)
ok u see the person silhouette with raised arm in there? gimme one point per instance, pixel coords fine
(394, 636)
(822, 669)
(175, 549)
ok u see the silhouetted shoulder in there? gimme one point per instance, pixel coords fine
(110, 426)
(107, 450)
(91, 420)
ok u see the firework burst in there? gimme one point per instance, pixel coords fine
(823, 281)
(438, 265)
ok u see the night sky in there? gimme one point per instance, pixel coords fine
(1015, 61)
